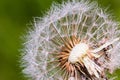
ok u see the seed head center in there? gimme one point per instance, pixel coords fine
(78, 51)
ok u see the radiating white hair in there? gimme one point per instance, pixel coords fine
(81, 18)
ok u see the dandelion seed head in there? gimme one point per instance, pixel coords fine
(75, 40)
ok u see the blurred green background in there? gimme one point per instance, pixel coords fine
(15, 17)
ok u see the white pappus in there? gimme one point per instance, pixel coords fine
(75, 40)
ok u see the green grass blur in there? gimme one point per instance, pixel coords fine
(15, 17)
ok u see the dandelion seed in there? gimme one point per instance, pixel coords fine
(75, 41)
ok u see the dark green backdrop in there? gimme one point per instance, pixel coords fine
(15, 17)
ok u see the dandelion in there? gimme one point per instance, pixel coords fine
(76, 40)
